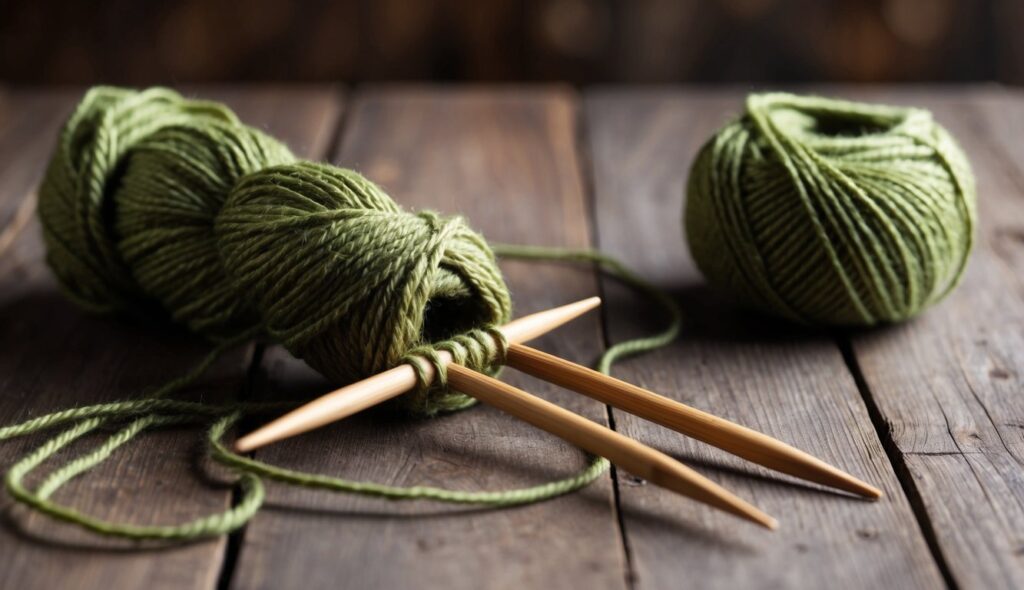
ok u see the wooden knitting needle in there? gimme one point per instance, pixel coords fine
(738, 440)
(632, 456)
(726, 435)
(354, 398)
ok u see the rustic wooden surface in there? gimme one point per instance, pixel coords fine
(54, 355)
(788, 383)
(931, 411)
(455, 152)
(948, 385)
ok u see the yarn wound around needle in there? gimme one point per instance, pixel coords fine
(163, 208)
(156, 205)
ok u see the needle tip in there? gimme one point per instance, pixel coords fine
(588, 304)
(246, 444)
(852, 484)
(758, 517)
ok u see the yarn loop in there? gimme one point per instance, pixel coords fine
(160, 207)
(831, 212)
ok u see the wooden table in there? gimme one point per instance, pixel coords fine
(932, 411)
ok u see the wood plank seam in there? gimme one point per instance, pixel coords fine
(585, 172)
(104, 360)
(722, 360)
(969, 414)
(527, 155)
(899, 465)
(236, 540)
(988, 415)
(585, 163)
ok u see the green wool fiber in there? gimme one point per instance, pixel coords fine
(158, 205)
(831, 212)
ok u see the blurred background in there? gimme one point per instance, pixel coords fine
(142, 42)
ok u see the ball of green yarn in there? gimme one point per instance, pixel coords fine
(831, 212)
(158, 205)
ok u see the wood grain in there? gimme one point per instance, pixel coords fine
(623, 452)
(788, 383)
(353, 398)
(738, 440)
(507, 161)
(55, 356)
(943, 391)
(28, 124)
(948, 384)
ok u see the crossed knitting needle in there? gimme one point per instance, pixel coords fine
(626, 453)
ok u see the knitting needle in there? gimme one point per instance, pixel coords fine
(630, 455)
(356, 397)
(738, 440)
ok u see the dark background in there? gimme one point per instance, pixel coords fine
(143, 42)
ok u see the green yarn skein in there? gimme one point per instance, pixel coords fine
(154, 205)
(831, 212)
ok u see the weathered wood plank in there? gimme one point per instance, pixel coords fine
(784, 381)
(948, 384)
(505, 160)
(303, 117)
(54, 356)
(24, 117)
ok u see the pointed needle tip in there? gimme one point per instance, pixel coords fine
(861, 488)
(763, 519)
(245, 445)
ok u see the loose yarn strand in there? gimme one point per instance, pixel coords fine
(822, 211)
(618, 270)
(93, 417)
(155, 411)
(595, 469)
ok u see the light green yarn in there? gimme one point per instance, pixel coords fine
(156, 206)
(831, 212)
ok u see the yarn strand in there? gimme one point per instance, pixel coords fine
(831, 212)
(155, 412)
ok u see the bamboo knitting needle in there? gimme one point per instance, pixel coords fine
(354, 398)
(630, 455)
(731, 437)
(738, 440)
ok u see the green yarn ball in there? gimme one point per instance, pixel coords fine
(154, 205)
(831, 212)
